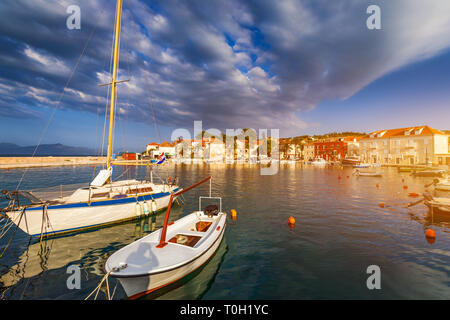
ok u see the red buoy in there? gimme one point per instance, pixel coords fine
(430, 233)
(291, 220)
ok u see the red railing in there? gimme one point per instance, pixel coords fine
(162, 241)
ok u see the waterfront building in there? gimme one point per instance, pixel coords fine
(214, 150)
(406, 146)
(151, 147)
(167, 148)
(309, 152)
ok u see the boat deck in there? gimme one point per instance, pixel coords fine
(143, 257)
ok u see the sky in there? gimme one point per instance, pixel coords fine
(300, 66)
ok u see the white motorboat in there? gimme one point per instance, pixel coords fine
(152, 263)
(319, 162)
(443, 185)
(367, 174)
(102, 202)
(362, 165)
(351, 160)
(429, 173)
(436, 204)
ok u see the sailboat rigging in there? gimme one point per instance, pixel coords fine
(101, 203)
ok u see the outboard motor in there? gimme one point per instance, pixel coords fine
(211, 210)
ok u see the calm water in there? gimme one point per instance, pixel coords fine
(340, 230)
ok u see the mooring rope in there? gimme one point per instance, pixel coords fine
(14, 233)
(105, 279)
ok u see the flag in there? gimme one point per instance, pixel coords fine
(161, 158)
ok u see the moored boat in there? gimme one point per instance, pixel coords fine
(319, 162)
(351, 160)
(429, 173)
(361, 165)
(103, 201)
(152, 263)
(437, 204)
(443, 185)
(367, 174)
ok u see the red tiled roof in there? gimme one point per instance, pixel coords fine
(424, 131)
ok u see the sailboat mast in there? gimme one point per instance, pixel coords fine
(113, 84)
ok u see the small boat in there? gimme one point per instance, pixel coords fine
(361, 165)
(351, 160)
(437, 205)
(410, 169)
(367, 174)
(152, 263)
(443, 185)
(429, 173)
(319, 162)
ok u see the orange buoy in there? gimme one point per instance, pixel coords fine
(291, 220)
(413, 194)
(378, 185)
(348, 177)
(170, 178)
(233, 214)
(339, 177)
(381, 204)
(430, 233)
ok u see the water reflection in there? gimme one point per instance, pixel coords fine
(340, 229)
(89, 250)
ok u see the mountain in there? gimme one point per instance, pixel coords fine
(57, 149)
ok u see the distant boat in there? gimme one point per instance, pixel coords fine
(367, 174)
(429, 173)
(351, 160)
(319, 162)
(437, 205)
(410, 169)
(443, 185)
(151, 263)
(362, 165)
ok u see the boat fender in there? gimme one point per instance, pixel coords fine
(138, 209)
(154, 206)
(145, 207)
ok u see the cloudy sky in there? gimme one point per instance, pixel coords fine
(302, 66)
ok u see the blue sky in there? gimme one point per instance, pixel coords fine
(301, 66)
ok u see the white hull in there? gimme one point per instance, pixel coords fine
(369, 174)
(78, 216)
(150, 268)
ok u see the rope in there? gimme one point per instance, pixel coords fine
(98, 287)
(15, 230)
(105, 279)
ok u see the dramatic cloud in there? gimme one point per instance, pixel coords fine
(235, 63)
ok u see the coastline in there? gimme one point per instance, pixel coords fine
(49, 161)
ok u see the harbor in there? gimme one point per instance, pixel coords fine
(240, 151)
(340, 229)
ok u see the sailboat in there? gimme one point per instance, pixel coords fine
(102, 202)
